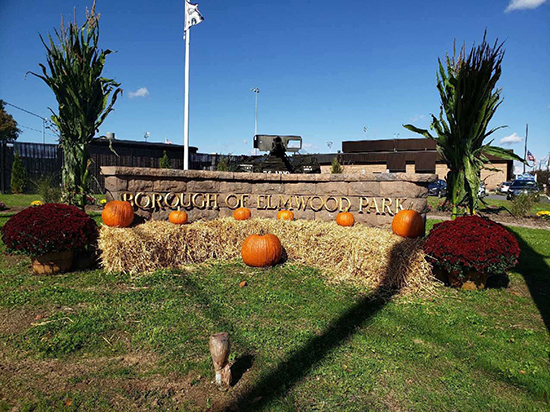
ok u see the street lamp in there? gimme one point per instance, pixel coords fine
(256, 91)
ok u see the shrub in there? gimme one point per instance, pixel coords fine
(49, 228)
(165, 161)
(18, 175)
(48, 190)
(336, 167)
(522, 204)
(223, 165)
(472, 243)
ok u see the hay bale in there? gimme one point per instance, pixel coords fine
(363, 255)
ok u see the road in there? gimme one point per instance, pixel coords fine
(543, 198)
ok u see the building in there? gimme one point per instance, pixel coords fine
(405, 156)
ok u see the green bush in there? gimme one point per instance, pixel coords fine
(522, 204)
(223, 165)
(165, 161)
(336, 168)
(48, 190)
(18, 175)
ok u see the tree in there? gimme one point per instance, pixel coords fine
(18, 175)
(8, 126)
(165, 161)
(336, 167)
(469, 99)
(84, 96)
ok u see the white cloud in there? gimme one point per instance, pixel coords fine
(307, 147)
(141, 92)
(245, 141)
(417, 117)
(523, 4)
(513, 138)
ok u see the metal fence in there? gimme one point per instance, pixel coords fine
(39, 160)
(46, 160)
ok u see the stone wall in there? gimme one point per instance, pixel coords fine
(372, 198)
(492, 178)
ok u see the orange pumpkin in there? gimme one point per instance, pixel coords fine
(345, 219)
(408, 223)
(118, 213)
(178, 217)
(242, 213)
(285, 215)
(261, 250)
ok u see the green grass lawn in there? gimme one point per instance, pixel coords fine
(95, 341)
(24, 200)
(434, 201)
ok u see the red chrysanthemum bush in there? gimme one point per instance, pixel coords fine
(472, 243)
(49, 228)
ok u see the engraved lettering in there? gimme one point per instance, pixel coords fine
(285, 203)
(312, 207)
(341, 204)
(128, 197)
(399, 204)
(138, 203)
(329, 209)
(260, 199)
(270, 204)
(212, 200)
(157, 199)
(363, 202)
(182, 200)
(386, 203)
(228, 203)
(301, 202)
(375, 205)
(194, 200)
(175, 201)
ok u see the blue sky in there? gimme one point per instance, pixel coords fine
(325, 69)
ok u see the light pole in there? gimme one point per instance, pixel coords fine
(256, 91)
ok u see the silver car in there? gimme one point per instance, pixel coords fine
(522, 186)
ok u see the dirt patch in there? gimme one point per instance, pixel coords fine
(15, 321)
(7, 260)
(131, 381)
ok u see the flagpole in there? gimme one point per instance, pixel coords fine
(525, 151)
(186, 105)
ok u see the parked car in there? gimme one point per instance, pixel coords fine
(438, 188)
(482, 192)
(522, 186)
(504, 186)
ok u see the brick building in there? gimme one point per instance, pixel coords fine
(405, 156)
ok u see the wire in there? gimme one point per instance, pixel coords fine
(26, 111)
(35, 130)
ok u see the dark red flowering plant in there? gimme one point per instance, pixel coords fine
(472, 243)
(49, 228)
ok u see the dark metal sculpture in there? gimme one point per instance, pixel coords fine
(277, 160)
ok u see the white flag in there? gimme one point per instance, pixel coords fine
(192, 15)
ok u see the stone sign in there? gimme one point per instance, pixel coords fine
(372, 198)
